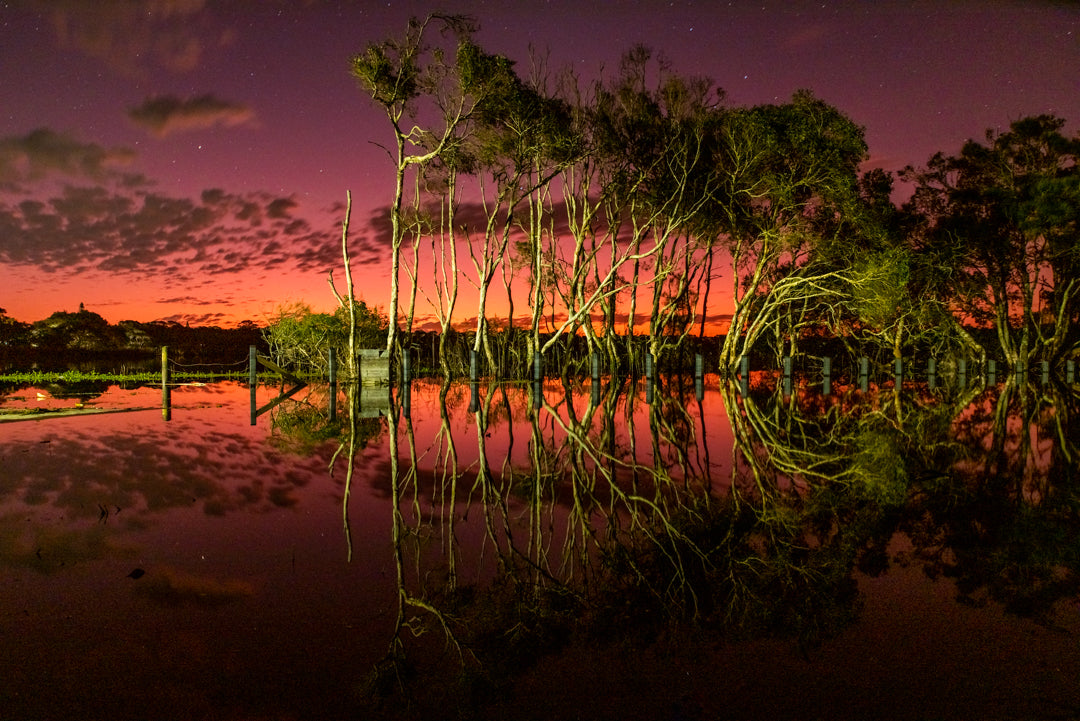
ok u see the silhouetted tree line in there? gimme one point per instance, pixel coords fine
(623, 202)
(85, 335)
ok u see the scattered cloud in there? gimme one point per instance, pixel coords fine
(197, 319)
(134, 36)
(42, 152)
(808, 37)
(122, 231)
(167, 114)
(187, 300)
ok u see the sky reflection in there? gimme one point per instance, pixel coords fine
(199, 568)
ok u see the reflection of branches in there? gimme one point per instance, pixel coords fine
(1003, 521)
(588, 530)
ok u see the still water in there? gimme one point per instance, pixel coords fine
(485, 552)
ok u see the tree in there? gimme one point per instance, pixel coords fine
(301, 338)
(785, 174)
(417, 87)
(82, 331)
(11, 330)
(1004, 215)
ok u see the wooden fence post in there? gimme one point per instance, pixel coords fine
(474, 396)
(252, 380)
(331, 373)
(166, 391)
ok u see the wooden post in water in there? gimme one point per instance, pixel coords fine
(864, 374)
(991, 372)
(253, 377)
(331, 373)
(961, 372)
(1070, 371)
(473, 365)
(166, 392)
(898, 371)
(538, 368)
(648, 366)
(931, 373)
(474, 396)
(1045, 372)
(826, 372)
(406, 399)
(595, 368)
(406, 366)
(699, 366)
(787, 375)
(744, 366)
(648, 389)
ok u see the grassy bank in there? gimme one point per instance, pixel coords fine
(37, 377)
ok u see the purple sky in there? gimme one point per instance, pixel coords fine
(187, 159)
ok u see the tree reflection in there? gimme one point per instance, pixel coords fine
(598, 536)
(613, 522)
(1004, 521)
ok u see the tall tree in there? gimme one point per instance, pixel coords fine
(417, 85)
(1004, 212)
(781, 170)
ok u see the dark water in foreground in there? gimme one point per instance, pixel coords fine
(910, 556)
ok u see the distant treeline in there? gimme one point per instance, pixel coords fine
(63, 338)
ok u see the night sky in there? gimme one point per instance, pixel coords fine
(188, 160)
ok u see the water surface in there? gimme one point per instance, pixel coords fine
(705, 555)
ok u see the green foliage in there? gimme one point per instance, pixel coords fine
(81, 331)
(302, 339)
(1001, 215)
(11, 330)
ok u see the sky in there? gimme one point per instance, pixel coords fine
(188, 160)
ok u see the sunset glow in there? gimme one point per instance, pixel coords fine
(189, 161)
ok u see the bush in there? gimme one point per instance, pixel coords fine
(302, 339)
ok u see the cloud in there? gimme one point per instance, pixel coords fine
(41, 152)
(184, 241)
(167, 114)
(131, 36)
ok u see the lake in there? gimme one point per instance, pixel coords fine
(487, 552)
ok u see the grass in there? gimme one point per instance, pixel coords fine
(37, 377)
